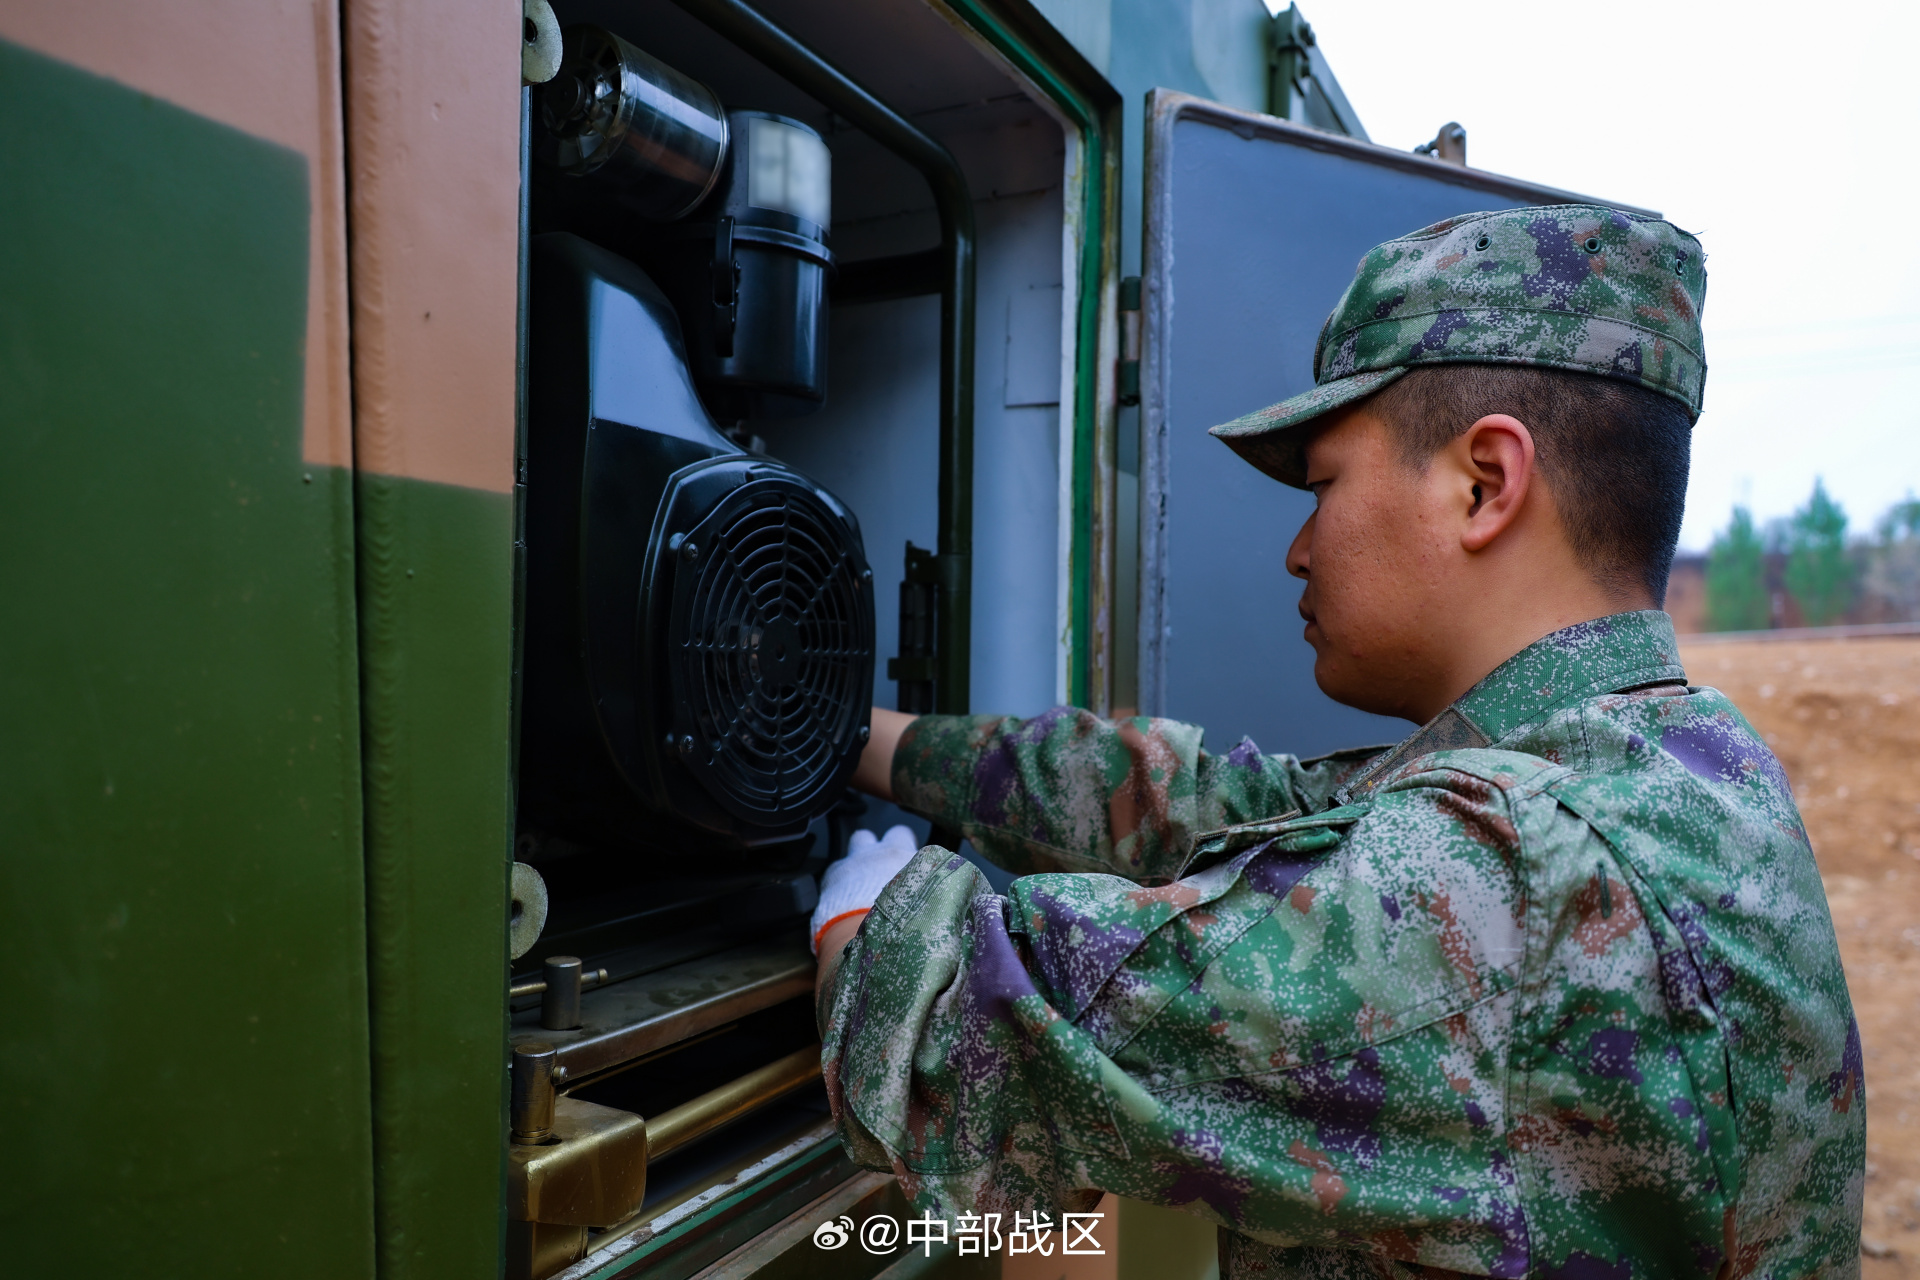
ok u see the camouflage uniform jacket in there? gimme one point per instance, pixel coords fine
(1549, 989)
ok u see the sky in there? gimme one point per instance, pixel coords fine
(1784, 136)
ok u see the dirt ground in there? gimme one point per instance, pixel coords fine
(1844, 718)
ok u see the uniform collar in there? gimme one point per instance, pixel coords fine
(1605, 655)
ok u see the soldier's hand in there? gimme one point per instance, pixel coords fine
(851, 886)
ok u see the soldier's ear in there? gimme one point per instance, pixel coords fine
(1488, 471)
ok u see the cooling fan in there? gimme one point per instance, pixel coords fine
(767, 646)
(699, 629)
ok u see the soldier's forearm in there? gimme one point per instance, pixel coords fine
(875, 772)
(1065, 790)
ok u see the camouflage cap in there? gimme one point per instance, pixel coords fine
(1580, 286)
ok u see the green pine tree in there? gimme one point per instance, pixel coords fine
(1737, 578)
(1902, 521)
(1819, 574)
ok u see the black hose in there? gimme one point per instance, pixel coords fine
(833, 89)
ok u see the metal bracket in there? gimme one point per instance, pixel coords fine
(1287, 61)
(1300, 85)
(1449, 145)
(932, 585)
(915, 669)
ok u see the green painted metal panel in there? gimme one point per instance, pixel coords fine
(185, 1044)
(436, 615)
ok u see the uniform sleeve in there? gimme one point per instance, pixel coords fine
(1069, 791)
(1304, 1041)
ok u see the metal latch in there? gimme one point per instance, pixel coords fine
(1130, 340)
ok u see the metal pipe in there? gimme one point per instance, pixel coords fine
(813, 75)
(534, 986)
(674, 1129)
(620, 113)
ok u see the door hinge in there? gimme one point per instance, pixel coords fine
(1129, 391)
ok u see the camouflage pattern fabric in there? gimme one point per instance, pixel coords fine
(1550, 989)
(1580, 287)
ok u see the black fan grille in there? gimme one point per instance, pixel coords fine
(771, 637)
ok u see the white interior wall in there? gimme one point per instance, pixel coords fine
(874, 445)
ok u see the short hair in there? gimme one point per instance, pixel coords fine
(1613, 453)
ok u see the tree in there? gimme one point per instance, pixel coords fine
(1737, 578)
(1902, 521)
(1819, 574)
(1893, 561)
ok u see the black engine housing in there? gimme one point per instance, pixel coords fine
(698, 638)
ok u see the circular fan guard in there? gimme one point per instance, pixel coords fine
(771, 643)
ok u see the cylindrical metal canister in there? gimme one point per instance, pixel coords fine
(634, 123)
(560, 1002)
(748, 272)
(530, 1104)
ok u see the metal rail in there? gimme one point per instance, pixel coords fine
(834, 89)
(671, 1130)
(627, 1020)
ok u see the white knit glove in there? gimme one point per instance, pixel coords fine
(852, 885)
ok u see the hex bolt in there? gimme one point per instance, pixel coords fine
(560, 1002)
(530, 1113)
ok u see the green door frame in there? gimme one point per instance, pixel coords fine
(1018, 33)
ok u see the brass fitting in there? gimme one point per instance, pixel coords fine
(591, 1171)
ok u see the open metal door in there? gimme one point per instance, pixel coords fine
(1253, 227)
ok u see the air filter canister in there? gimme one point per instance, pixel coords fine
(748, 272)
(657, 137)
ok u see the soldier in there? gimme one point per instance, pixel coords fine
(1547, 989)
